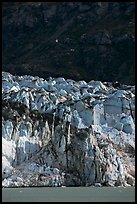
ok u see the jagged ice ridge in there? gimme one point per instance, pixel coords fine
(59, 132)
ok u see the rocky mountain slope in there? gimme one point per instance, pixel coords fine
(77, 40)
(59, 132)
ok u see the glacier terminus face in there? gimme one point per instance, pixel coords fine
(61, 132)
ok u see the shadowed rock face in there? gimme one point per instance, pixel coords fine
(61, 132)
(71, 39)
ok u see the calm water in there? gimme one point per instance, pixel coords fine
(69, 194)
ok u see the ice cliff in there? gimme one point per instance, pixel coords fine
(61, 132)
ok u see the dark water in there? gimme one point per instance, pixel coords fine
(69, 194)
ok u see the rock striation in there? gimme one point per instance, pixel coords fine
(61, 132)
(77, 40)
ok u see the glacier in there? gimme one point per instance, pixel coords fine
(61, 132)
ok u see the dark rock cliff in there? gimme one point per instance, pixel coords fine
(79, 40)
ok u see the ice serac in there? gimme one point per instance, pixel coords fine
(59, 132)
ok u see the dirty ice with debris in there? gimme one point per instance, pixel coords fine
(61, 132)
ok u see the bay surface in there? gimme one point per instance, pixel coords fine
(69, 194)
